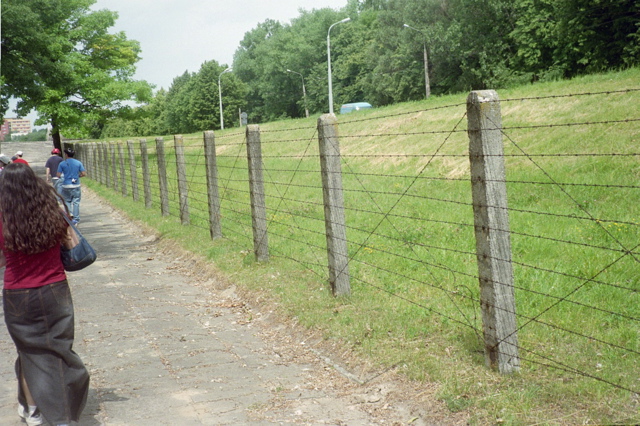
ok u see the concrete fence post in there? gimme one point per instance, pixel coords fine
(84, 154)
(100, 165)
(95, 161)
(334, 217)
(109, 163)
(80, 155)
(123, 174)
(181, 170)
(215, 227)
(87, 160)
(146, 177)
(105, 164)
(256, 190)
(133, 171)
(493, 245)
(92, 161)
(162, 177)
(114, 166)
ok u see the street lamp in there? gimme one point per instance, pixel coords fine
(304, 92)
(220, 96)
(427, 87)
(329, 63)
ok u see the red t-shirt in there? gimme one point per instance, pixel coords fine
(32, 270)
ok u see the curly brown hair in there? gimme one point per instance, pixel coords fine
(31, 217)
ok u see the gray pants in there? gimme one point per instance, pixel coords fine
(41, 323)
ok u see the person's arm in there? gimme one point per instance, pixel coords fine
(82, 174)
(3, 260)
(48, 170)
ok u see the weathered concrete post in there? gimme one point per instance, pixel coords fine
(123, 175)
(133, 171)
(334, 218)
(162, 177)
(92, 160)
(105, 164)
(99, 163)
(114, 166)
(146, 178)
(86, 151)
(181, 168)
(493, 245)
(256, 189)
(215, 227)
(80, 155)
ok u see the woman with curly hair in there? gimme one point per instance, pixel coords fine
(52, 380)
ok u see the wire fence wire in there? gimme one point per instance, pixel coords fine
(574, 221)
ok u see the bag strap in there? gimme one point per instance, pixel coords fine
(75, 229)
(61, 200)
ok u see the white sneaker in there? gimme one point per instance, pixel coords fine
(32, 419)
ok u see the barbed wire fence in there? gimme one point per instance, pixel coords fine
(547, 276)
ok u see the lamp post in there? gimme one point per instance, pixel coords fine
(427, 87)
(304, 92)
(220, 96)
(329, 62)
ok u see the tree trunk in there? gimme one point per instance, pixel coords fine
(55, 135)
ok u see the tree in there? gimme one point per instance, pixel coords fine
(204, 105)
(596, 35)
(352, 62)
(35, 136)
(269, 50)
(178, 104)
(192, 102)
(59, 59)
(250, 63)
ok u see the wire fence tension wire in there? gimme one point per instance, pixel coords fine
(241, 202)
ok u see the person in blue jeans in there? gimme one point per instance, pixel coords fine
(71, 170)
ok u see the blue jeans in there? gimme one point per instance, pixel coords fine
(41, 323)
(57, 185)
(71, 197)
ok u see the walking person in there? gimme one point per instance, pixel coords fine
(51, 168)
(53, 382)
(18, 158)
(70, 171)
(4, 160)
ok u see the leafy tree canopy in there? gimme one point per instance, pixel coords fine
(59, 59)
(375, 57)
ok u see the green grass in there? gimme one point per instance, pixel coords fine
(414, 301)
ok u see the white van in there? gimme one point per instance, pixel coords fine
(355, 106)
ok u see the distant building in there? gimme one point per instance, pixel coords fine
(5, 130)
(15, 127)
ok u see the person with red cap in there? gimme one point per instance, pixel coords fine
(18, 158)
(51, 167)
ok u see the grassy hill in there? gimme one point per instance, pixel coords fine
(573, 180)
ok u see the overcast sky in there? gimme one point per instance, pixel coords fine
(179, 35)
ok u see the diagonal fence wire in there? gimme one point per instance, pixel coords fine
(390, 216)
